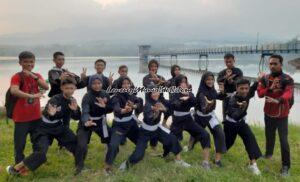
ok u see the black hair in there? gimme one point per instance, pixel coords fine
(100, 61)
(173, 68)
(179, 78)
(228, 55)
(242, 81)
(68, 80)
(56, 54)
(277, 56)
(122, 79)
(26, 55)
(123, 66)
(153, 61)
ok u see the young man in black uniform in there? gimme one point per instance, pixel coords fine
(100, 66)
(154, 80)
(235, 122)
(228, 77)
(58, 73)
(56, 115)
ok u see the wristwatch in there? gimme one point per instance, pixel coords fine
(37, 78)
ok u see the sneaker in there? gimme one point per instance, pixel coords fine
(284, 171)
(182, 163)
(205, 165)
(11, 170)
(123, 166)
(254, 169)
(218, 163)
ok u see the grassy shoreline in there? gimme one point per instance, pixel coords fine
(60, 163)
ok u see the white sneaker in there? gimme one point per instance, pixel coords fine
(123, 166)
(254, 169)
(182, 163)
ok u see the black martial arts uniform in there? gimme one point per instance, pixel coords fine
(182, 119)
(91, 111)
(105, 81)
(124, 125)
(151, 128)
(204, 114)
(235, 123)
(54, 80)
(148, 83)
(54, 127)
(229, 88)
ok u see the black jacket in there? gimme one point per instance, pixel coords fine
(229, 87)
(233, 110)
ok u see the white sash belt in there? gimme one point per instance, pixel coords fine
(124, 119)
(180, 113)
(233, 120)
(104, 125)
(150, 127)
(213, 121)
(155, 127)
(199, 113)
(164, 128)
(46, 120)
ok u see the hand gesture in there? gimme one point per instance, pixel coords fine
(73, 105)
(271, 100)
(51, 109)
(275, 84)
(110, 77)
(242, 105)
(160, 106)
(29, 73)
(260, 76)
(83, 74)
(38, 95)
(221, 87)
(63, 76)
(101, 102)
(89, 123)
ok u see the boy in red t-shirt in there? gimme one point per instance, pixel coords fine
(27, 110)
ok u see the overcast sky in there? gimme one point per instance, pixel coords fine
(87, 20)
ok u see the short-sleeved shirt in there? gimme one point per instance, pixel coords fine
(26, 109)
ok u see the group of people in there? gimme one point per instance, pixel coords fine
(27, 87)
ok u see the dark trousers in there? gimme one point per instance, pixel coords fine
(83, 139)
(66, 138)
(22, 129)
(121, 130)
(187, 123)
(169, 141)
(217, 132)
(280, 124)
(242, 129)
(224, 103)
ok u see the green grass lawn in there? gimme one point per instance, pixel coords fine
(60, 163)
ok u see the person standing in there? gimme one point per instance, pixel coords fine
(228, 77)
(277, 88)
(26, 112)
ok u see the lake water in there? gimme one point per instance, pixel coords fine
(9, 66)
